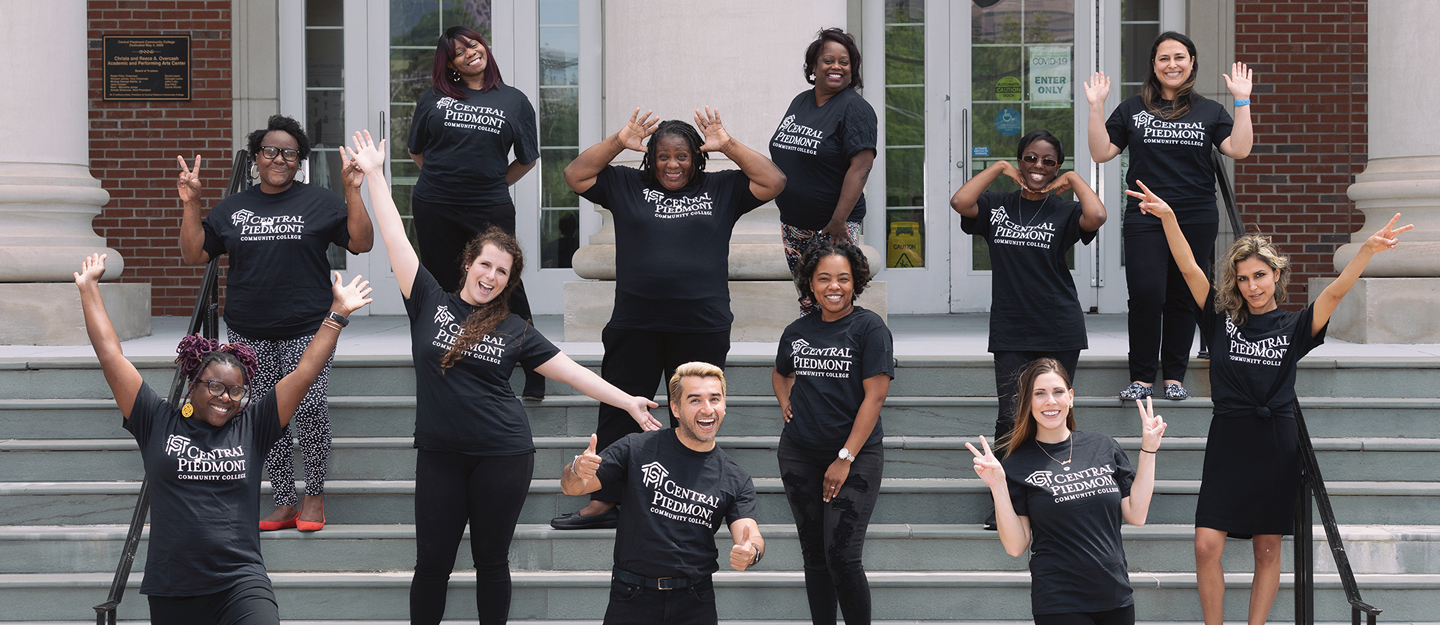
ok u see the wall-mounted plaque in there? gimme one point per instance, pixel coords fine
(147, 67)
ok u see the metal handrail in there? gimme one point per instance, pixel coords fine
(205, 320)
(1312, 485)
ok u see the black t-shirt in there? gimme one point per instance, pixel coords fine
(813, 146)
(278, 285)
(1171, 157)
(466, 144)
(470, 407)
(204, 494)
(1033, 302)
(1077, 563)
(1245, 361)
(831, 361)
(672, 248)
(675, 500)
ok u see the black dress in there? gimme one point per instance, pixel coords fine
(1252, 460)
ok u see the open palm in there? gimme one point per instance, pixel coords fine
(715, 136)
(365, 154)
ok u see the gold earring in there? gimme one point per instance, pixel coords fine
(300, 175)
(255, 171)
(187, 410)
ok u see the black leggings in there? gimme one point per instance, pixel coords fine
(1008, 367)
(1162, 309)
(634, 360)
(443, 231)
(832, 535)
(246, 603)
(450, 489)
(1118, 616)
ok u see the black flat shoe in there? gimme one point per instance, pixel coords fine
(990, 522)
(575, 521)
(534, 386)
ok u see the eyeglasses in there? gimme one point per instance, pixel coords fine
(1048, 162)
(269, 151)
(218, 388)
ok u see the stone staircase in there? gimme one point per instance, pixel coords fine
(69, 475)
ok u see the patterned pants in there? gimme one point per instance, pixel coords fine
(312, 417)
(796, 242)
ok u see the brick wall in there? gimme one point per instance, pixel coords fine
(1309, 113)
(133, 144)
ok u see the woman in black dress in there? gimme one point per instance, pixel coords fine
(825, 145)
(1252, 462)
(1169, 130)
(461, 135)
(1061, 494)
(203, 459)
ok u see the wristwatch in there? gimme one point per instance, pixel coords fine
(846, 455)
(338, 318)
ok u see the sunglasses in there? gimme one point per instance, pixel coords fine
(218, 388)
(1048, 162)
(269, 151)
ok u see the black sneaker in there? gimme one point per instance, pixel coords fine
(609, 519)
(1137, 390)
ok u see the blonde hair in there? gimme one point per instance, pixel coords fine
(696, 370)
(1024, 429)
(1228, 300)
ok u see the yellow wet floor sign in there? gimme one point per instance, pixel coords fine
(905, 246)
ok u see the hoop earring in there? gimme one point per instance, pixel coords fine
(454, 76)
(255, 172)
(299, 175)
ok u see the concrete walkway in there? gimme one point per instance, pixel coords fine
(915, 335)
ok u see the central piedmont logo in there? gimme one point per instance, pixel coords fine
(1142, 119)
(652, 195)
(1041, 479)
(443, 316)
(787, 122)
(654, 473)
(241, 216)
(176, 444)
(797, 345)
(444, 103)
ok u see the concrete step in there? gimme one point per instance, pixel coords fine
(892, 547)
(923, 501)
(984, 595)
(389, 458)
(725, 621)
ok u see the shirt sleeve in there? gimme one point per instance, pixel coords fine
(980, 223)
(1117, 127)
(266, 412)
(214, 243)
(526, 136)
(341, 235)
(860, 128)
(419, 122)
(877, 350)
(1075, 232)
(1224, 125)
(1304, 340)
(604, 186)
(535, 349)
(423, 288)
(741, 197)
(615, 461)
(783, 364)
(742, 506)
(1124, 471)
(142, 414)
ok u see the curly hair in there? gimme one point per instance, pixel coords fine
(1024, 428)
(812, 55)
(443, 79)
(1150, 92)
(280, 123)
(486, 317)
(672, 128)
(1228, 299)
(822, 248)
(197, 352)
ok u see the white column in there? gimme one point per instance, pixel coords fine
(1396, 299)
(47, 195)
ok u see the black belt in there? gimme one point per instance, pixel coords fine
(663, 583)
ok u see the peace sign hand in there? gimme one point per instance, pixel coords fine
(987, 466)
(1238, 81)
(716, 139)
(1150, 204)
(1386, 238)
(1096, 90)
(1152, 426)
(189, 182)
(633, 134)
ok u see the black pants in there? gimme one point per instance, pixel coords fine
(451, 489)
(444, 230)
(1162, 309)
(247, 603)
(832, 535)
(633, 605)
(635, 361)
(1118, 616)
(1008, 367)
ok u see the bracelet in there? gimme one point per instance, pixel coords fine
(572, 466)
(331, 324)
(1240, 103)
(1144, 450)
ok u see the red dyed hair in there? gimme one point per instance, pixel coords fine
(443, 79)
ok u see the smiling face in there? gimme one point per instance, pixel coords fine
(831, 69)
(276, 174)
(1050, 403)
(1255, 279)
(1172, 64)
(469, 60)
(833, 286)
(699, 409)
(1039, 164)
(487, 275)
(216, 410)
(674, 162)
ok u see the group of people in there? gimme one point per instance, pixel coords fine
(669, 490)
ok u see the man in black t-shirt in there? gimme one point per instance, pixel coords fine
(678, 489)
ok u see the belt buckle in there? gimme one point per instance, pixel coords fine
(660, 583)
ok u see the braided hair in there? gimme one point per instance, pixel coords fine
(197, 352)
(486, 317)
(672, 128)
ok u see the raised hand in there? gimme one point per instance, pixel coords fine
(353, 296)
(716, 139)
(189, 182)
(742, 554)
(633, 134)
(1097, 89)
(639, 410)
(987, 466)
(350, 175)
(1152, 426)
(1239, 81)
(587, 463)
(91, 269)
(1150, 204)
(1386, 238)
(365, 154)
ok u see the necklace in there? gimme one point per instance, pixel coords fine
(1066, 463)
(1020, 210)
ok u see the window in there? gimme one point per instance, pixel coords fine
(559, 130)
(1139, 26)
(905, 133)
(325, 99)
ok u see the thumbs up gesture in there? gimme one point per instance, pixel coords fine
(742, 555)
(587, 463)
